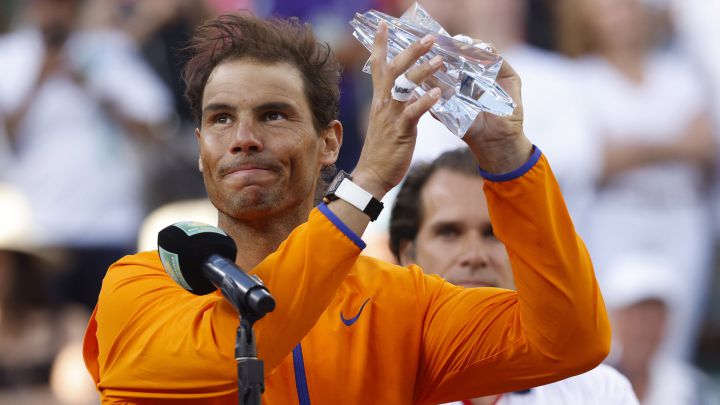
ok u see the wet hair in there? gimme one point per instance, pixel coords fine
(407, 214)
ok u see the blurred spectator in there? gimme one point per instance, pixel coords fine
(32, 330)
(161, 30)
(640, 293)
(695, 22)
(74, 103)
(651, 113)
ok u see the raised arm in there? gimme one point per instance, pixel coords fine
(483, 341)
(392, 128)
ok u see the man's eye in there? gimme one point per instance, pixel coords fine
(447, 231)
(222, 119)
(273, 116)
(488, 232)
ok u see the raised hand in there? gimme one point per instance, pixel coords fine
(499, 143)
(392, 130)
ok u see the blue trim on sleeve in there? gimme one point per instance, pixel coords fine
(341, 226)
(300, 377)
(515, 173)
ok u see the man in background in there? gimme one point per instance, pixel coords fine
(640, 295)
(441, 223)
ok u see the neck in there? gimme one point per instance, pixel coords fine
(638, 372)
(258, 238)
(640, 381)
(489, 400)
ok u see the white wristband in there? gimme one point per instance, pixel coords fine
(353, 194)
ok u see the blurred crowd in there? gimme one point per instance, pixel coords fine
(623, 96)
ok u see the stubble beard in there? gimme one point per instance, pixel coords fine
(244, 205)
(262, 204)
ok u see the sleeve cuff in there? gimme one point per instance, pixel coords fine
(515, 173)
(341, 226)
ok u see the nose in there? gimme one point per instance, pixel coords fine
(475, 254)
(246, 139)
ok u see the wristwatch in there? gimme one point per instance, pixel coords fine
(343, 188)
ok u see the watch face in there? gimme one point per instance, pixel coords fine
(339, 177)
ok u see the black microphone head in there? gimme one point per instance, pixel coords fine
(183, 248)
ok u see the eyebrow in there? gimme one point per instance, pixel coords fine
(216, 107)
(443, 223)
(272, 105)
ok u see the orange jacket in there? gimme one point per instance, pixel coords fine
(370, 332)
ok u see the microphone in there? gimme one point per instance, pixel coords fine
(201, 258)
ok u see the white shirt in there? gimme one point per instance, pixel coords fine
(658, 110)
(602, 385)
(675, 382)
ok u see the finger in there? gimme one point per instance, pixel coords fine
(507, 71)
(410, 80)
(426, 70)
(378, 56)
(416, 109)
(509, 80)
(405, 59)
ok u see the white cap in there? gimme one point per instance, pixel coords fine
(639, 277)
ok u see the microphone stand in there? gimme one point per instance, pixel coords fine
(251, 299)
(251, 378)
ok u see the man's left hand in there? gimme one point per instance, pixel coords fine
(499, 143)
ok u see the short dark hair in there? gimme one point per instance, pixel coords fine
(242, 35)
(407, 214)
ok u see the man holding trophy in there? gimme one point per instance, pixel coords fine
(347, 328)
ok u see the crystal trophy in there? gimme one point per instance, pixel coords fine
(467, 83)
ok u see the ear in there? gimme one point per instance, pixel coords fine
(200, 162)
(407, 253)
(331, 140)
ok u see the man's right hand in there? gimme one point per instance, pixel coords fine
(392, 130)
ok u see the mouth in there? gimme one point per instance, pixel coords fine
(248, 173)
(246, 168)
